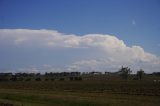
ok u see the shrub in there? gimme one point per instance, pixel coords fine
(52, 79)
(46, 79)
(28, 79)
(38, 79)
(71, 78)
(61, 79)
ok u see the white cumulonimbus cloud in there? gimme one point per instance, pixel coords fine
(98, 52)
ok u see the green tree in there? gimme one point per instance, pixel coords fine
(140, 73)
(124, 72)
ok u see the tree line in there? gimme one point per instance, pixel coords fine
(123, 72)
(39, 77)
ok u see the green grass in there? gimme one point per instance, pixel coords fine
(81, 93)
(62, 98)
(126, 87)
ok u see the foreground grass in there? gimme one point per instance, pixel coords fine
(81, 93)
(124, 87)
(63, 98)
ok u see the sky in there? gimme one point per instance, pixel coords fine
(81, 35)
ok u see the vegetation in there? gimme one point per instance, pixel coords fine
(140, 73)
(80, 89)
(124, 72)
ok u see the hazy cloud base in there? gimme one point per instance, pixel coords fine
(49, 50)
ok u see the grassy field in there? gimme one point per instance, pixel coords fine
(61, 98)
(80, 93)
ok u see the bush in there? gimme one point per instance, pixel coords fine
(28, 79)
(61, 79)
(71, 78)
(38, 79)
(46, 79)
(52, 79)
(78, 78)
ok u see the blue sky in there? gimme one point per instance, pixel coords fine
(88, 16)
(136, 22)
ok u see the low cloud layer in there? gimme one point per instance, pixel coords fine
(69, 52)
